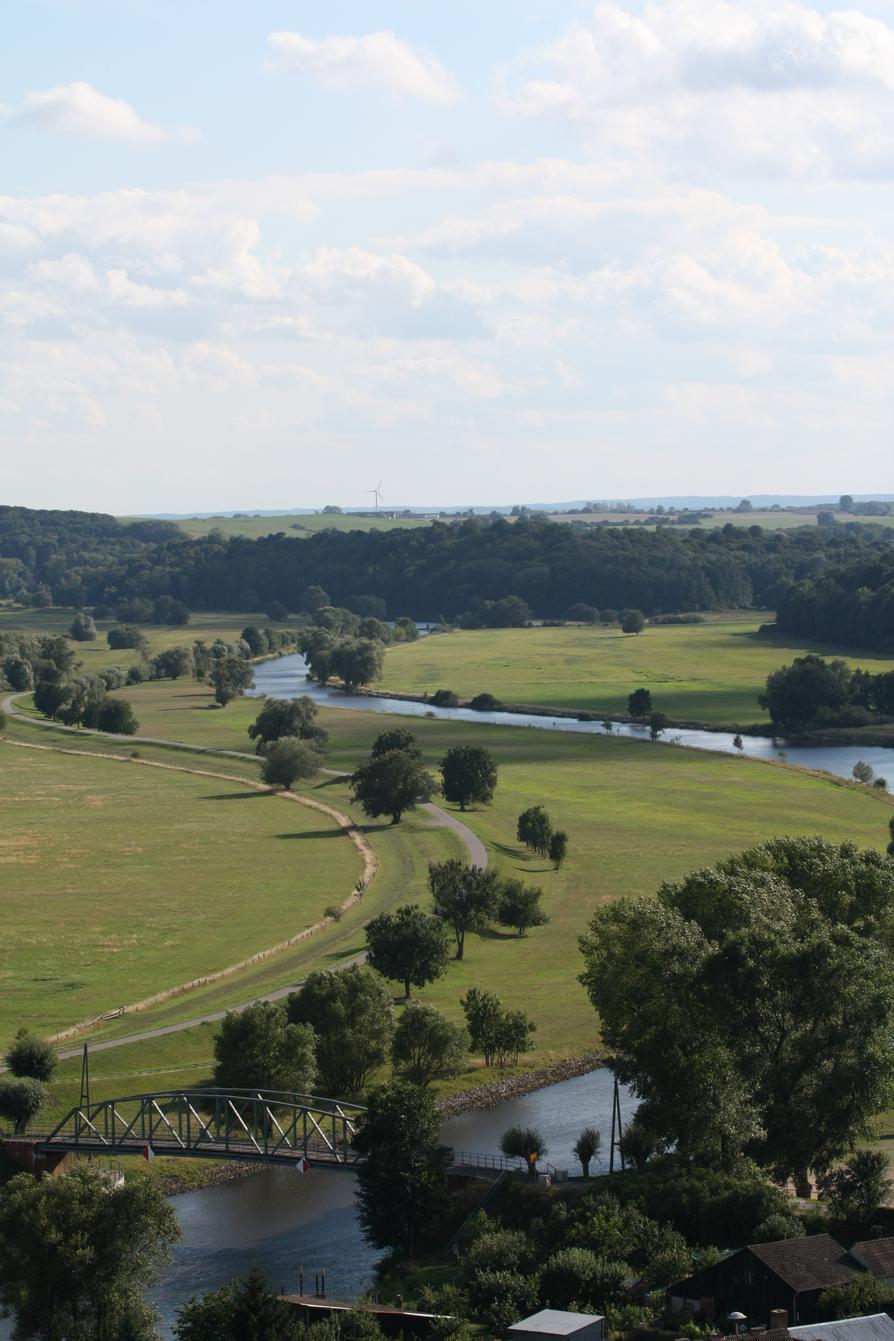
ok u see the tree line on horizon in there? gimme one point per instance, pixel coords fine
(82, 559)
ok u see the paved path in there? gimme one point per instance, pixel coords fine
(474, 846)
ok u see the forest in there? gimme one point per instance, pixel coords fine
(827, 582)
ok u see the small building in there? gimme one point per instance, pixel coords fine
(769, 1278)
(874, 1327)
(877, 1256)
(556, 1323)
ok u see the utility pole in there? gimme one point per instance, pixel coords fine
(617, 1129)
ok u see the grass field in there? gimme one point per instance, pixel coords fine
(302, 526)
(630, 810)
(121, 880)
(711, 672)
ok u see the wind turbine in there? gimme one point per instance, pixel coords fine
(378, 493)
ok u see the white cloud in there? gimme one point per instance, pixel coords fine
(711, 85)
(82, 110)
(377, 59)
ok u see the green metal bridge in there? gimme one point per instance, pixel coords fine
(257, 1126)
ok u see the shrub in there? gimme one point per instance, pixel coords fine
(444, 698)
(485, 703)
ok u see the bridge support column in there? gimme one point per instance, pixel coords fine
(26, 1152)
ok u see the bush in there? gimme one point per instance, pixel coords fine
(583, 614)
(31, 1056)
(115, 715)
(444, 698)
(485, 703)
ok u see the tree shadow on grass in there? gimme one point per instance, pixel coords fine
(517, 853)
(235, 796)
(493, 934)
(314, 833)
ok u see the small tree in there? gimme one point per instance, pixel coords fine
(534, 829)
(857, 1189)
(258, 1048)
(586, 1148)
(558, 848)
(408, 945)
(352, 1017)
(32, 1056)
(402, 1181)
(465, 897)
(230, 676)
(242, 1310)
(288, 761)
(116, 716)
(519, 906)
(500, 1035)
(890, 847)
(639, 703)
(427, 1046)
(21, 1099)
(863, 772)
(526, 1143)
(469, 774)
(863, 1295)
(83, 629)
(391, 783)
(632, 621)
(738, 742)
(658, 724)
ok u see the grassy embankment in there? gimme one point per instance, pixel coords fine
(707, 673)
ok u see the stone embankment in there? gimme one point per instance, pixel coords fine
(512, 1087)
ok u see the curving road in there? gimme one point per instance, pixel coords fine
(442, 819)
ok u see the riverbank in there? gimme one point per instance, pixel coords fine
(513, 1087)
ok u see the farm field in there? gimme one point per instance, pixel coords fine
(121, 880)
(300, 527)
(706, 673)
(627, 806)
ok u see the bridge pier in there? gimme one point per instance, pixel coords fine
(26, 1152)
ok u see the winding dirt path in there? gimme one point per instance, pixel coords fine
(442, 818)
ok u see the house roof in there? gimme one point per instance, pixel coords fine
(875, 1327)
(878, 1254)
(811, 1263)
(556, 1322)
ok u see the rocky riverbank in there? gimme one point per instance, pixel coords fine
(512, 1087)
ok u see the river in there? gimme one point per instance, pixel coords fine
(286, 677)
(283, 1221)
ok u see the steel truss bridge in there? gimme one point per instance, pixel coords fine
(257, 1126)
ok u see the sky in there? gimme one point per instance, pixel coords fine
(275, 254)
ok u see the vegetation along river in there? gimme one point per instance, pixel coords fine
(283, 1220)
(287, 678)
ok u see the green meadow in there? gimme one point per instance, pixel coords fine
(710, 673)
(636, 814)
(122, 880)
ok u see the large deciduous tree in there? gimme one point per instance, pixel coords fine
(76, 1258)
(352, 1017)
(230, 676)
(289, 760)
(288, 717)
(409, 945)
(534, 829)
(519, 906)
(469, 775)
(391, 783)
(259, 1048)
(402, 1181)
(21, 1099)
(465, 897)
(765, 987)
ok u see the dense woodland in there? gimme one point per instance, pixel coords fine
(835, 582)
(850, 602)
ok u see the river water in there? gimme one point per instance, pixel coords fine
(283, 1220)
(286, 677)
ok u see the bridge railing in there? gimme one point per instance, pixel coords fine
(473, 1159)
(268, 1125)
